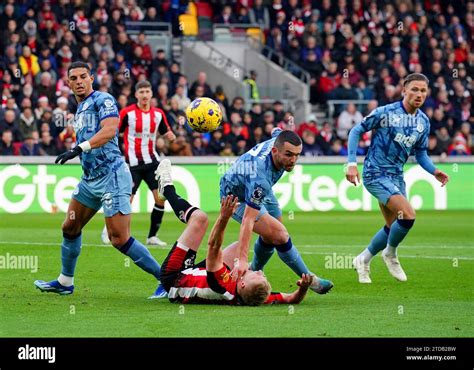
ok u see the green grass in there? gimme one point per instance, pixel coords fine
(110, 297)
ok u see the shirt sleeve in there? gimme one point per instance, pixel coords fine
(370, 122)
(275, 298)
(276, 132)
(421, 153)
(123, 124)
(164, 126)
(107, 107)
(220, 282)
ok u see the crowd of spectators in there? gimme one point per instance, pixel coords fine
(352, 49)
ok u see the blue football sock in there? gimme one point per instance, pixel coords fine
(141, 256)
(262, 253)
(379, 241)
(398, 231)
(70, 250)
(292, 258)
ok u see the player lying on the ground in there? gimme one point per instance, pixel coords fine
(399, 129)
(106, 182)
(209, 281)
(251, 179)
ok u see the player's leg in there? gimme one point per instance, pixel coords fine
(156, 218)
(77, 216)
(137, 177)
(195, 219)
(158, 208)
(399, 218)
(117, 212)
(378, 243)
(400, 206)
(183, 253)
(273, 234)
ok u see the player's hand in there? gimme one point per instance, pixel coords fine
(352, 175)
(240, 267)
(305, 281)
(228, 206)
(441, 177)
(170, 136)
(70, 154)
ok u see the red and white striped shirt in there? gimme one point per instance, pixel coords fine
(196, 285)
(140, 129)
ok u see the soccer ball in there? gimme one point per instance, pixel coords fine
(204, 115)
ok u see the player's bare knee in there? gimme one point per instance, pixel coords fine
(199, 218)
(280, 237)
(408, 214)
(71, 228)
(118, 240)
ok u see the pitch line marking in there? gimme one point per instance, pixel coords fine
(301, 252)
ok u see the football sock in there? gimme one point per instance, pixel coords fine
(262, 253)
(70, 250)
(366, 255)
(141, 256)
(156, 217)
(398, 231)
(181, 207)
(65, 280)
(292, 258)
(378, 243)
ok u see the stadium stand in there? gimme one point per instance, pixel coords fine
(355, 53)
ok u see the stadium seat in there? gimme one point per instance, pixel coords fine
(192, 9)
(16, 147)
(204, 10)
(189, 24)
(256, 33)
(166, 5)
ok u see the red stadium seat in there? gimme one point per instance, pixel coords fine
(204, 10)
(16, 147)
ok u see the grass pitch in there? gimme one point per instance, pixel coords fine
(110, 296)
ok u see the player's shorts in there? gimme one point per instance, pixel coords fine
(145, 172)
(383, 186)
(112, 192)
(269, 205)
(177, 260)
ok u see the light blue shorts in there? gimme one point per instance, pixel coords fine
(112, 192)
(384, 186)
(269, 205)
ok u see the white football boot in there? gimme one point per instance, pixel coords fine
(394, 267)
(363, 270)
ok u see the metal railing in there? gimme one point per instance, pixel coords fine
(219, 59)
(232, 32)
(278, 58)
(149, 28)
(332, 105)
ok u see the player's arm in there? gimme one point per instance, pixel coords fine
(255, 192)
(165, 129)
(292, 298)
(214, 260)
(368, 123)
(425, 161)
(108, 116)
(107, 132)
(245, 234)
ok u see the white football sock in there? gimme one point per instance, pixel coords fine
(390, 251)
(366, 256)
(65, 280)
